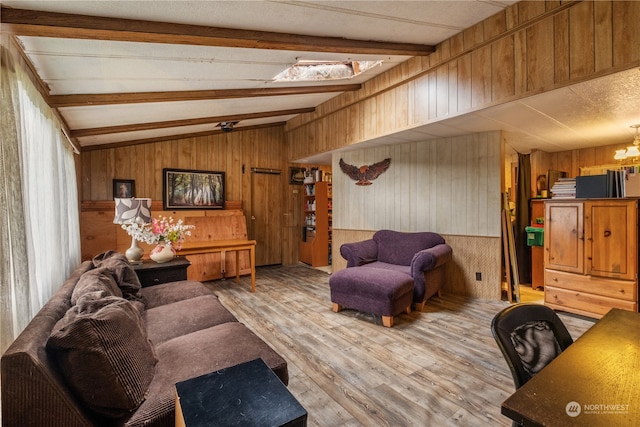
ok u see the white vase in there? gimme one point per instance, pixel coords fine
(162, 253)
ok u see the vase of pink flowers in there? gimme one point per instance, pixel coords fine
(167, 234)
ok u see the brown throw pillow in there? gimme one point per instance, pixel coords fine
(103, 354)
(97, 280)
(125, 276)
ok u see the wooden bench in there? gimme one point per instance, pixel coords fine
(222, 246)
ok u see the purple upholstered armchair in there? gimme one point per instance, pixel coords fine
(421, 255)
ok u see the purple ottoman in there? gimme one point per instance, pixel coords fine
(386, 293)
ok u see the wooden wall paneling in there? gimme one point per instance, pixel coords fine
(391, 113)
(138, 162)
(586, 156)
(481, 76)
(464, 82)
(626, 37)
(503, 69)
(459, 156)
(444, 196)
(110, 169)
(561, 46)
(452, 84)
(97, 233)
(473, 36)
(99, 188)
(528, 10)
(548, 53)
(565, 162)
(603, 43)
(511, 16)
(421, 100)
(432, 90)
(581, 40)
(122, 168)
(445, 50)
(473, 254)
(151, 177)
(456, 44)
(442, 90)
(495, 25)
(473, 185)
(84, 182)
(520, 62)
(401, 101)
(540, 55)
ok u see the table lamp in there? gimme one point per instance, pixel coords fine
(129, 211)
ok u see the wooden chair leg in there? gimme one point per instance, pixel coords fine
(387, 321)
(408, 309)
(419, 306)
(336, 307)
(439, 292)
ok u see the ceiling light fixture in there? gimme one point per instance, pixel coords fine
(631, 151)
(227, 126)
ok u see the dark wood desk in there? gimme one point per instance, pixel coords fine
(595, 382)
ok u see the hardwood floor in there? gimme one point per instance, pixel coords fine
(440, 367)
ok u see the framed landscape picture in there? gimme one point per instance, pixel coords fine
(192, 189)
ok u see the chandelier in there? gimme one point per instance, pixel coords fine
(632, 150)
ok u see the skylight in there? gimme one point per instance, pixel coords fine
(308, 71)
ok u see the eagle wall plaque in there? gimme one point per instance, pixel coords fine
(363, 175)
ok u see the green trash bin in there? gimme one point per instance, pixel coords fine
(535, 236)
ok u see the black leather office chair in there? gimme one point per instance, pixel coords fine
(529, 336)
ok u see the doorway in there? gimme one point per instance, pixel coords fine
(265, 225)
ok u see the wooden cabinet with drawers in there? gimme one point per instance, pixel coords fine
(591, 255)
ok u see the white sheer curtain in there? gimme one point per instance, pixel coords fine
(39, 201)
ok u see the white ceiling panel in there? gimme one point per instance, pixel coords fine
(123, 114)
(583, 115)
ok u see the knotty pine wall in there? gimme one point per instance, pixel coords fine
(451, 186)
(228, 152)
(530, 47)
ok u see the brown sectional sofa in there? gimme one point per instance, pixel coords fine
(105, 352)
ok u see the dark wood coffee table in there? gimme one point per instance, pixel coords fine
(248, 394)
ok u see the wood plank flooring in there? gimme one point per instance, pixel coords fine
(440, 367)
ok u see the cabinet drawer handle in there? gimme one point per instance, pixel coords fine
(156, 280)
(607, 233)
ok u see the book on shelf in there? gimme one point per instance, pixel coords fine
(564, 188)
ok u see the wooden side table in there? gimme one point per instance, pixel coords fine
(151, 273)
(248, 394)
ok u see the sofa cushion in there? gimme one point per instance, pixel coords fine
(396, 247)
(97, 280)
(167, 293)
(184, 317)
(197, 354)
(125, 276)
(103, 354)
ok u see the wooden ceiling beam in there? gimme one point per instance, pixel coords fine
(79, 133)
(50, 24)
(176, 137)
(59, 101)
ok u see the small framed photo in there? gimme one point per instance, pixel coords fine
(296, 176)
(124, 188)
(192, 189)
